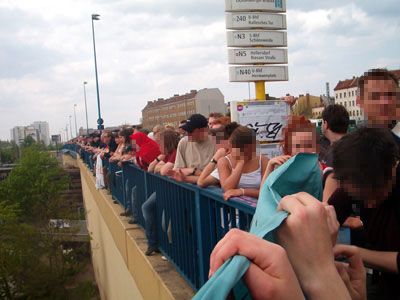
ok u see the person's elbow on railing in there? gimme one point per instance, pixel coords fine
(229, 178)
(165, 169)
(152, 166)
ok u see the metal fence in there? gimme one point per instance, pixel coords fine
(190, 220)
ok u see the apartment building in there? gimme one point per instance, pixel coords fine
(346, 95)
(180, 107)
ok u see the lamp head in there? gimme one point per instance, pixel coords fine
(95, 17)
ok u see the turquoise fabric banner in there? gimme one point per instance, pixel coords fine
(301, 173)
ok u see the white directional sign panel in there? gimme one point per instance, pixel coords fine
(258, 5)
(248, 20)
(257, 56)
(249, 38)
(258, 73)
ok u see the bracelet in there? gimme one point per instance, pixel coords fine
(242, 191)
(213, 161)
(157, 159)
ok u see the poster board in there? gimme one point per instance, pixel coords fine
(266, 118)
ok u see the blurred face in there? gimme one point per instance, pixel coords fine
(372, 195)
(121, 139)
(247, 153)
(303, 142)
(106, 139)
(181, 131)
(381, 101)
(220, 142)
(212, 122)
(198, 135)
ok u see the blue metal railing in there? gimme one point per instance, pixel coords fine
(190, 220)
(116, 183)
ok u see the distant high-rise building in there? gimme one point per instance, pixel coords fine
(43, 131)
(32, 132)
(39, 131)
(18, 134)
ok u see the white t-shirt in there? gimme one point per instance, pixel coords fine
(194, 154)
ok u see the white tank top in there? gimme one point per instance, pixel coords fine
(251, 180)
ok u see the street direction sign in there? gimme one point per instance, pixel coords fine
(258, 73)
(256, 5)
(249, 38)
(257, 56)
(248, 20)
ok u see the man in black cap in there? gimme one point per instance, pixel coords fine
(195, 152)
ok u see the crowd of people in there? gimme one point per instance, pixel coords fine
(360, 177)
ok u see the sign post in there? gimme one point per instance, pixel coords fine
(261, 25)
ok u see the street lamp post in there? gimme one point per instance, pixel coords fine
(100, 121)
(70, 126)
(76, 127)
(66, 132)
(84, 93)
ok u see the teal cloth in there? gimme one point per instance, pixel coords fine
(300, 173)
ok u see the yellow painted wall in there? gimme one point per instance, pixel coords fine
(121, 268)
(112, 274)
(305, 102)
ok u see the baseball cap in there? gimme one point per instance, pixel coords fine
(194, 122)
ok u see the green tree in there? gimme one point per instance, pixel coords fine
(35, 184)
(34, 263)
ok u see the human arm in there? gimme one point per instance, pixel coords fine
(272, 164)
(205, 179)
(180, 176)
(155, 165)
(270, 275)
(306, 238)
(331, 185)
(229, 178)
(380, 260)
(166, 168)
(352, 272)
(152, 166)
(254, 193)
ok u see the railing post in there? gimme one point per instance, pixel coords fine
(200, 235)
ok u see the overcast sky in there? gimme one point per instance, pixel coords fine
(148, 49)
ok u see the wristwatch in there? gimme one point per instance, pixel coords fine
(213, 161)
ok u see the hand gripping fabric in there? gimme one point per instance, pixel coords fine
(299, 174)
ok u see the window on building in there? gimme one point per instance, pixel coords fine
(337, 96)
(340, 95)
(344, 94)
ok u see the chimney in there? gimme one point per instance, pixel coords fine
(193, 91)
(176, 95)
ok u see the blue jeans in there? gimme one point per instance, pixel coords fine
(133, 208)
(150, 220)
